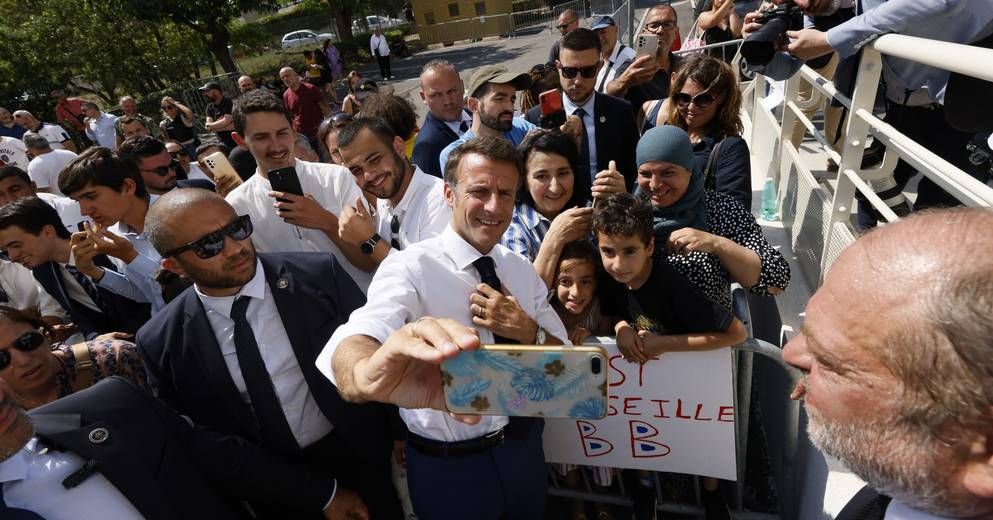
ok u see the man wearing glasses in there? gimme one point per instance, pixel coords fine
(608, 132)
(248, 334)
(647, 77)
(567, 22)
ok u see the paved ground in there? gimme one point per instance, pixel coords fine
(517, 54)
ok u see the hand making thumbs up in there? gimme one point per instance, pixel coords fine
(356, 225)
(608, 182)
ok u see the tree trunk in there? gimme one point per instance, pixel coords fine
(343, 22)
(218, 45)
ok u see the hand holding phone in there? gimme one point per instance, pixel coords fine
(552, 112)
(220, 170)
(646, 45)
(286, 181)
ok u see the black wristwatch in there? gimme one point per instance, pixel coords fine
(369, 246)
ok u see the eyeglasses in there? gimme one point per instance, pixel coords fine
(162, 171)
(395, 232)
(655, 26)
(211, 244)
(167, 107)
(564, 26)
(587, 72)
(27, 342)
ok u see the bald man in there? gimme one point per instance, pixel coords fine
(897, 357)
(567, 22)
(248, 333)
(57, 137)
(306, 104)
(246, 84)
(443, 92)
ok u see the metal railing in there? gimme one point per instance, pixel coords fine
(818, 218)
(545, 16)
(726, 51)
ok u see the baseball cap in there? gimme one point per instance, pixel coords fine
(602, 22)
(497, 74)
(211, 85)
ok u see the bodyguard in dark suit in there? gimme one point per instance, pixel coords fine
(247, 335)
(33, 235)
(113, 451)
(442, 91)
(609, 132)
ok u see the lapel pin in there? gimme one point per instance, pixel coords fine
(99, 435)
(282, 283)
(603, 119)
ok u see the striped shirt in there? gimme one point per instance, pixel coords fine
(527, 230)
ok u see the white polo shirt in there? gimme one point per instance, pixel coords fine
(54, 134)
(44, 169)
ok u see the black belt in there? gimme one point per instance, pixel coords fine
(518, 428)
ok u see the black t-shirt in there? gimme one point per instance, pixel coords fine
(216, 112)
(667, 303)
(178, 130)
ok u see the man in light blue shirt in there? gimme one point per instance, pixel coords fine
(492, 95)
(100, 126)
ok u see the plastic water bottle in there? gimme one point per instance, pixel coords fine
(770, 202)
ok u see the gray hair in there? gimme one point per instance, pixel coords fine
(35, 141)
(23, 113)
(125, 98)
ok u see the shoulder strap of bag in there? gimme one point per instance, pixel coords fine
(83, 370)
(715, 154)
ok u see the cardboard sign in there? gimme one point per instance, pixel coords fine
(674, 414)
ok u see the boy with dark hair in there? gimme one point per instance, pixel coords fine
(64, 264)
(110, 191)
(16, 184)
(287, 222)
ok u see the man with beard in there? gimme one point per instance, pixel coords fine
(492, 96)
(248, 334)
(410, 203)
(8, 127)
(246, 84)
(447, 120)
(219, 109)
(113, 451)
(608, 131)
(897, 365)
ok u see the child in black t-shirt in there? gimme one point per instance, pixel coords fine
(661, 310)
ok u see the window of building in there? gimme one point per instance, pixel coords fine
(480, 8)
(429, 18)
(453, 9)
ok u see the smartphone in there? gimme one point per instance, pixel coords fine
(219, 166)
(285, 180)
(646, 45)
(527, 381)
(552, 113)
(81, 226)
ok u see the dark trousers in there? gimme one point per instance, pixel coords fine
(928, 127)
(384, 66)
(371, 479)
(504, 482)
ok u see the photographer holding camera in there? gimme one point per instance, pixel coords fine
(914, 93)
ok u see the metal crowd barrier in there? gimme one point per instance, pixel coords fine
(726, 51)
(818, 218)
(544, 16)
(743, 366)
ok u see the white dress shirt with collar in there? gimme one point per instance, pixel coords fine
(138, 279)
(331, 185)
(422, 211)
(24, 292)
(900, 511)
(73, 290)
(435, 278)
(379, 43)
(102, 130)
(305, 418)
(456, 126)
(589, 121)
(32, 479)
(619, 57)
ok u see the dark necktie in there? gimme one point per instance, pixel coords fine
(463, 128)
(88, 286)
(487, 274)
(585, 175)
(276, 432)
(11, 513)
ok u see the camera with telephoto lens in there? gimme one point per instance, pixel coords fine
(760, 46)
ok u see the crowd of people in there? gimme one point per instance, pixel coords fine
(288, 313)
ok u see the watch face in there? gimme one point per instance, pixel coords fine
(366, 248)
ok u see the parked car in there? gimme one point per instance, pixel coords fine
(373, 21)
(305, 38)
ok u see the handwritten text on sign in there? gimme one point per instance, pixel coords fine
(673, 414)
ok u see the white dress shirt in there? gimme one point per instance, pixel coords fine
(102, 130)
(73, 290)
(305, 418)
(456, 126)
(589, 122)
(422, 211)
(379, 43)
(900, 511)
(331, 185)
(619, 57)
(24, 292)
(435, 278)
(32, 479)
(44, 169)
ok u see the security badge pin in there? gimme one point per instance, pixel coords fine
(603, 119)
(282, 283)
(99, 435)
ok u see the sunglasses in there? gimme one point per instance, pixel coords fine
(587, 72)
(563, 26)
(341, 119)
(162, 171)
(702, 100)
(27, 342)
(167, 107)
(394, 231)
(211, 244)
(655, 26)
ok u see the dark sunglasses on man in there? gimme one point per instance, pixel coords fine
(563, 26)
(27, 342)
(571, 72)
(211, 244)
(162, 171)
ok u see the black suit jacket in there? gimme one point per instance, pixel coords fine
(616, 138)
(164, 466)
(432, 138)
(314, 295)
(120, 314)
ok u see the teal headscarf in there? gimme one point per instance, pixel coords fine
(671, 144)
